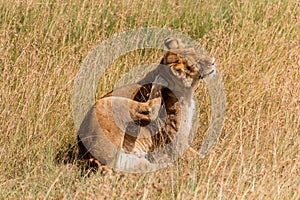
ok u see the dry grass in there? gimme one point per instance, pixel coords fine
(257, 44)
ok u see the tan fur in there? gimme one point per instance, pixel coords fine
(131, 119)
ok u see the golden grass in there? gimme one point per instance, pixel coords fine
(257, 45)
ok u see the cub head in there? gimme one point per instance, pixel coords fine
(186, 64)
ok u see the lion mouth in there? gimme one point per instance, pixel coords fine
(208, 74)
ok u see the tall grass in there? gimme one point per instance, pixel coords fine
(257, 46)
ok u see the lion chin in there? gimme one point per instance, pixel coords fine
(141, 125)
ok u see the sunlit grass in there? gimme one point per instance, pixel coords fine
(257, 46)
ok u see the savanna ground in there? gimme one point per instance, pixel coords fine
(257, 46)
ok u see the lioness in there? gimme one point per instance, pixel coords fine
(144, 117)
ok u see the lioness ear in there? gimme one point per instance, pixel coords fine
(173, 43)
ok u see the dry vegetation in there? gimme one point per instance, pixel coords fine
(257, 45)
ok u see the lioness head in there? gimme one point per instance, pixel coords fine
(187, 64)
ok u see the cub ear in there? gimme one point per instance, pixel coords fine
(173, 43)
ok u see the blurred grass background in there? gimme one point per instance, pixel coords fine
(257, 46)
